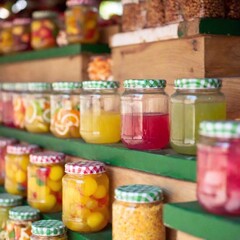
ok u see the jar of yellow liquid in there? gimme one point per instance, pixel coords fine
(100, 112)
(85, 196)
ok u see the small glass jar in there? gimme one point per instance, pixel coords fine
(81, 20)
(45, 173)
(65, 113)
(44, 29)
(137, 213)
(20, 221)
(85, 196)
(48, 230)
(16, 163)
(195, 100)
(145, 118)
(6, 37)
(37, 103)
(100, 112)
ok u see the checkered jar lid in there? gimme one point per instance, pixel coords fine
(39, 86)
(100, 85)
(44, 14)
(8, 86)
(48, 228)
(21, 149)
(144, 83)
(21, 87)
(24, 213)
(47, 157)
(8, 200)
(71, 3)
(139, 193)
(85, 167)
(7, 141)
(66, 86)
(198, 83)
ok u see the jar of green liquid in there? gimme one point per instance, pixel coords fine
(194, 101)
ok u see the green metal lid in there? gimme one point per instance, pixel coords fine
(44, 14)
(198, 83)
(139, 193)
(66, 86)
(8, 200)
(145, 83)
(21, 87)
(8, 86)
(39, 86)
(24, 213)
(100, 85)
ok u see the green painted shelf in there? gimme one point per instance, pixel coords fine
(190, 218)
(164, 163)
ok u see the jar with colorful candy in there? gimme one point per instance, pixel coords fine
(1, 102)
(85, 196)
(6, 37)
(100, 120)
(16, 163)
(145, 118)
(195, 100)
(65, 114)
(37, 115)
(45, 174)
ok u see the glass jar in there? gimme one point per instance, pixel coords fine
(6, 37)
(145, 118)
(48, 230)
(44, 29)
(45, 173)
(195, 100)
(20, 221)
(1, 100)
(85, 196)
(173, 11)
(65, 104)
(16, 163)
(37, 116)
(137, 213)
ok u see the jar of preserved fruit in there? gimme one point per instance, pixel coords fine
(1, 100)
(16, 163)
(20, 221)
(65, 104)
(45, 174)
(137, 213)
(6, 37)
(37, 116)
(85, 196)
(145, 118)
(195, 100)
(100, 112)
(173, 11)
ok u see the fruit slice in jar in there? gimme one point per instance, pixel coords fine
(32, 111)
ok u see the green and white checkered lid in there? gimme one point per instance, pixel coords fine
(100, 85)
(39, 86)
(139, 193)
(198, 83)
(9, 200)
(24, 213)
(66, 86)
(48, 228)
(21, 87)
(8, 86)
(44, 14)
(145, 83)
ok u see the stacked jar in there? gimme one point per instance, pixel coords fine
(6, 38)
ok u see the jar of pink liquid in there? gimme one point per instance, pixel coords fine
(145, 119)
(218, 188)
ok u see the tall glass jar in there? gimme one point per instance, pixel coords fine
(16, 163)
(37, 116)
(100, 112)
(85, 196)
(145, 118)
(6, 37)
(65, 109)
(45, 173)
(195, 100)
(137, 213)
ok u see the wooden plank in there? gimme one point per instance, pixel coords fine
(185, 236)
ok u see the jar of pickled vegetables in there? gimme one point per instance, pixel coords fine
(65, 104)
(195, 100)
(16, 163)
(45, 174)
(100, 112)
(85, 196)
(44, 29)
(6, 37)
(81, 19)
(20, 221)
(145, 118)
(137, 213)
(37, 115)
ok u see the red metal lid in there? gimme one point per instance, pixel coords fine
(47, 157)
(71, 3)
(20, 149)
(7, 141)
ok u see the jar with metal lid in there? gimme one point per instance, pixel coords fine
(137, 213)
(45, 173)
(65, 113)
(6, 37)
(85, 196)
(20, 221)
(145, 118)
(48, 230)
(16, 163)
(44, 29)
(37, 115)
(194, 101)
(100, 112)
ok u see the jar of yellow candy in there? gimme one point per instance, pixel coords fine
(16, 163)
(37, 115)
(85, 196)
(45, 173)
(6, 37)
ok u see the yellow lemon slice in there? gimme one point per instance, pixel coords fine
(61, 129)
(70, 119)
(46, 115)
(31, 112)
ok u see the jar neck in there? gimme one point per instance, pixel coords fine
(202, 90)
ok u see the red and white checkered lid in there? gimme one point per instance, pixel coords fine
(85, 167)
(20, 149)
(47, 157)
(7, 141)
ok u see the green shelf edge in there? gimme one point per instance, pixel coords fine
(191, 218)
(165, 163)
